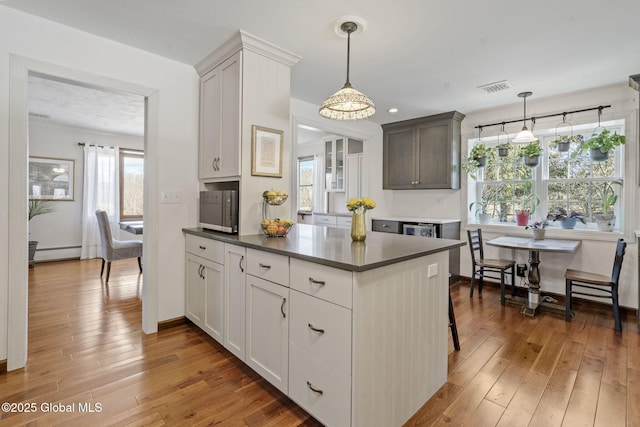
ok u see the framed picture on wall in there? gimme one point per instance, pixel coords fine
(266, 151)
(51, 178)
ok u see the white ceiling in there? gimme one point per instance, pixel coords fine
(421, 56)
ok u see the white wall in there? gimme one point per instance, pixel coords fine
(28, 42)
(61, 228)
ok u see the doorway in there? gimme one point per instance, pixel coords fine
(17, 295)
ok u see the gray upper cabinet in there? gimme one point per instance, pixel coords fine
(422, 153)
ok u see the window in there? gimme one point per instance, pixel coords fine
(575, 183)
(131, 184)
(305, 183)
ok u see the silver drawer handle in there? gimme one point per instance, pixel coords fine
(314, 329)
(315, 390)
(316, 282)
(202, 247)
(264, 266)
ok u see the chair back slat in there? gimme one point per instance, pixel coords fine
(475, 244)
(617, 263)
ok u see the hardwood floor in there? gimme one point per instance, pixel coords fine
(86, 347)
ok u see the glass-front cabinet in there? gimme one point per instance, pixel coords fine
(334, 152)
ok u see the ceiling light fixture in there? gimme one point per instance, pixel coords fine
(348, 103)
(525, 135)
(392, 110)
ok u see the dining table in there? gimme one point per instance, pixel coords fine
(133, 227)
(535, 246)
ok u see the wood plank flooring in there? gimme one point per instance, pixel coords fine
(86, 346)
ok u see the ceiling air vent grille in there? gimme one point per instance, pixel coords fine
(495, 87)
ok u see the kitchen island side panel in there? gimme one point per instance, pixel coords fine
(400, 332)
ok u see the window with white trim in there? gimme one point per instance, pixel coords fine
(573, 182)
(306, 173)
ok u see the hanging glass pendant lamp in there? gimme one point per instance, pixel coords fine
(525, 135)
(348, 103)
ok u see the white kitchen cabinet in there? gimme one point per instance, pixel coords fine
(204, 299)
(234, 299)
(220, 123)
(268, 331)
(326, 220)
(354, 176)
(204, 304)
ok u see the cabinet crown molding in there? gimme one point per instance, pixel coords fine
(245, 41)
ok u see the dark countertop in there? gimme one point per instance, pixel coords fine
(333, 246)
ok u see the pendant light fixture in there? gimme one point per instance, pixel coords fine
(348, 103)
(525, 135)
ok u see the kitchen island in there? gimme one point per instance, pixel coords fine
(354, 332)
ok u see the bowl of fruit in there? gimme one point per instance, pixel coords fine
(276, 227)
(274, 197)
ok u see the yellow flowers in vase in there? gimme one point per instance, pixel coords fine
(359, 206)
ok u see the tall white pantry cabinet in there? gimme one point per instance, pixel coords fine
(246, 82)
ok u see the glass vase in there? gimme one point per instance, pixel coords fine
(358, 227)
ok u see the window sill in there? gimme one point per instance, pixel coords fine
(553, 232)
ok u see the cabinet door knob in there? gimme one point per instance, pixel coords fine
(264, 266)
(313, 389)
(314, 329)
(284, 301)
(316, 282)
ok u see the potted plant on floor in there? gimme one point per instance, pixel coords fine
(479, 156)
(567, 220)
(606, 220)
(37, 207)
(600, 145)
(531, 153)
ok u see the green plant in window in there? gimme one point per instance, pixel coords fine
(609, 196)
(479, 156)
(605, 141)
(532, 149)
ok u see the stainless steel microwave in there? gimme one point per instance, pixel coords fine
(219, 210)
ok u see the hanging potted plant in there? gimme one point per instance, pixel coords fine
(606, 220)
(479, 156)
(600, 145)
(567, 220)
(503, 149)
(563, 142)
(531, 153)
(37, 207)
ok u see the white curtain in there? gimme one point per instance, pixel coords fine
(100, 192)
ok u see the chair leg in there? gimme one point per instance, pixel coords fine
(108, 270)
(102, 269)
(140, 264)
(502, 285)
(567, 301)
(473, 279)
(452, 324)
(616, 310)
(481, 280)
(513, 281)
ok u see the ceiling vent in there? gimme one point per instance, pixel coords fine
(495, 87)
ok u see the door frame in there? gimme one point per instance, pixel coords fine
(17, 292)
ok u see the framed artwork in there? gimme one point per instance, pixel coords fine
(51, 179)
(266, 151)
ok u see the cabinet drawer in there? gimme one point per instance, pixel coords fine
(268, 266)
(327, 283)
(322, 329)
(328, 220)
(331, 402)
(386, 226)
(343, 221)
(210, 249)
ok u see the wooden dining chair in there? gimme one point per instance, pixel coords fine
(112, 249)
(598, 285)
(481, 266)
